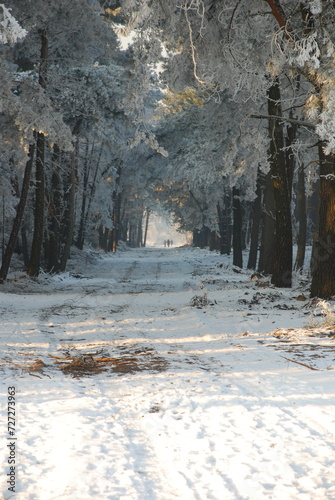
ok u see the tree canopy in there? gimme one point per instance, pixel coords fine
(222, 112)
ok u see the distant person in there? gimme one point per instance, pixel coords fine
(165, 243)
(168, 243)
(171, 242)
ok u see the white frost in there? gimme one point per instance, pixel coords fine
(10, 30)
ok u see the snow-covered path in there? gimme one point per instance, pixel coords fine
(153, 374)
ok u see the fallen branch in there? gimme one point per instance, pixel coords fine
(32, 374)
(298, 363)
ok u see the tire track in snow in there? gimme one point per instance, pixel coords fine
(129, 272)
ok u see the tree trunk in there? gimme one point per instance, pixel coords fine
(282, 266)
(302, 220)
(70, 209)
(237, 229)
(139, 240)
(213, 241)
(113, 236)
(221, 227)
(256, 217)
(200, 237)
(225, 225)
(132, 234)
(36, 249)
(19, 216)
(116, 216)
(81, 236)
(3, 226)
(55, 200)
(266, 253)
(24, 241)
(103, 238)
(245, 222)
(146, 227)
(323, 256)
(81, 231)
(290, 158)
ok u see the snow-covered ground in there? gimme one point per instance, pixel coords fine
(159, 374)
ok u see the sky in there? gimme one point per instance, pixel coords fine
(161, 228)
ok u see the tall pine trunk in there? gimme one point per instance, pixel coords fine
(224, 209)
(19, 216)
(55, 202)
(266, 253)
(38, 236)
(70, 209)
(282, 266)
(86, 171)
(237, 229)
(36, 249)
(302, 220)
(88, 197)
(24, 241)
(323, 256)
(147, 217)
(256, 218)
(116, 215)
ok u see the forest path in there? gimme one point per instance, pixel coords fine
(151, 374)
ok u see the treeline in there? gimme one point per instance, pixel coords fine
(69, 176)
(262, 130)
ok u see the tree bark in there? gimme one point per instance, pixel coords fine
(103, 237)
(323, 255)
(266, 254)
(237, 229)
(282, 266)
(302, 220)
(200, 237)
(139, 241)
(256, 217)
(278, 13)
(290, 158)
(81, 231)
(37, 244)
(25, 250)
(146, 227)
(116, 216)
(84, 221)
(19, 216)
(225, 225)
(70, 211)
(55, 200)
(36, 249)
(214, 241)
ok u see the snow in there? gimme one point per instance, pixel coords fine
(10, 30)
(166, 373)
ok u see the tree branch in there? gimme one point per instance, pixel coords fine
(278, 12)
(302, 123)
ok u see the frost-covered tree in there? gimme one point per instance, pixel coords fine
(245, 48)
(10, 30)
(309, 51)
(61, 95)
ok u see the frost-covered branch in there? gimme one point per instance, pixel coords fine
(10, 29)
(301, 123)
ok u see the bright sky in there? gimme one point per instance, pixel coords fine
(160, 229)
